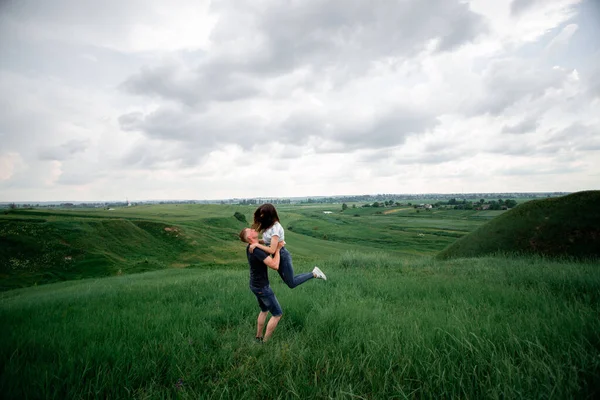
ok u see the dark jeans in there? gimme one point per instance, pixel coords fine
(267, 300)
(286, 270)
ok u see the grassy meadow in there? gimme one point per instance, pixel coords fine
(51, 245)
(391, 321)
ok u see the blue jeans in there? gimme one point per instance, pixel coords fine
(267, 300)
(286, 270)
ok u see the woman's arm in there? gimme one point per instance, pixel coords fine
(269, 249)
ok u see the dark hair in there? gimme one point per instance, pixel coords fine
(264, 217)
(243, 236)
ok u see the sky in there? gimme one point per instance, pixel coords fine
(199, 99)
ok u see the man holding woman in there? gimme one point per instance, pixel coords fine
(266, 221)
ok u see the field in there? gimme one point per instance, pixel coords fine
(391, 321)
(44, 246)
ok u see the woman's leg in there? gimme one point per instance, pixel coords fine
(286, 270)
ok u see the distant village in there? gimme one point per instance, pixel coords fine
(426, 201)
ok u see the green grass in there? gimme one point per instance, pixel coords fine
(392, 321)
(382, 326)
(44, 246)
(567, 226)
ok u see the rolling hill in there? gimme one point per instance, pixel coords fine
(567, 226)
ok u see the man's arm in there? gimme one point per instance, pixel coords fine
(272, 262)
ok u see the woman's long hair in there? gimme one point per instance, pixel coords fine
(264, 217)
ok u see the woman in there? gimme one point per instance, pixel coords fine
(266, 221)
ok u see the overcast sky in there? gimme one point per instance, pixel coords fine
(192, 99)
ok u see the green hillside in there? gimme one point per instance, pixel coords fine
(41, 251)
(44, 246)
(389, 322)
(563, 226)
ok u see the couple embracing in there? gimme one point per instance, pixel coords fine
(266, 221)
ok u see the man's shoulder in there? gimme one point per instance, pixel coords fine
(256, 253)
(260, 254)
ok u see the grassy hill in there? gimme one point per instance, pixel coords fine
(44, 246)
(47, 245)
(391, 321)
(563, 226)
(380, 327)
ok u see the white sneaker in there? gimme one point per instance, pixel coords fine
(319, 274)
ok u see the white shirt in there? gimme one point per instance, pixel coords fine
(275, 230)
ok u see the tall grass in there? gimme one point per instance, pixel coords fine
(379, 327)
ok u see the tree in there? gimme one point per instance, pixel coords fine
(12, 206)
(376, 204)
(344, 207)
(510, 203)
(240, 217)
(494, 205)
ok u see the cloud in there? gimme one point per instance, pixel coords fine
(64, 151)
(527, 125)
(562, 39)
(508, 81)
(132, 26)
(252, 43)
(533, 171)
(177, 82)
(9, 163)
(578, 137)
(518, 6)
(205, 99)
(349, 133)
(200, 131)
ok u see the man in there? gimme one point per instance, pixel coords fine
(258, 261)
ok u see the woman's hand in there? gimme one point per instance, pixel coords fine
(252, 247)
(280, 245)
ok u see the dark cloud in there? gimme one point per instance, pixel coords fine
(168, 124)
(252, 42)
(185, 138)
(334, 32)
(379, 131)
(186, 132)
(190, 87)
(389, 130)
(518, 6)
(527, 125)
